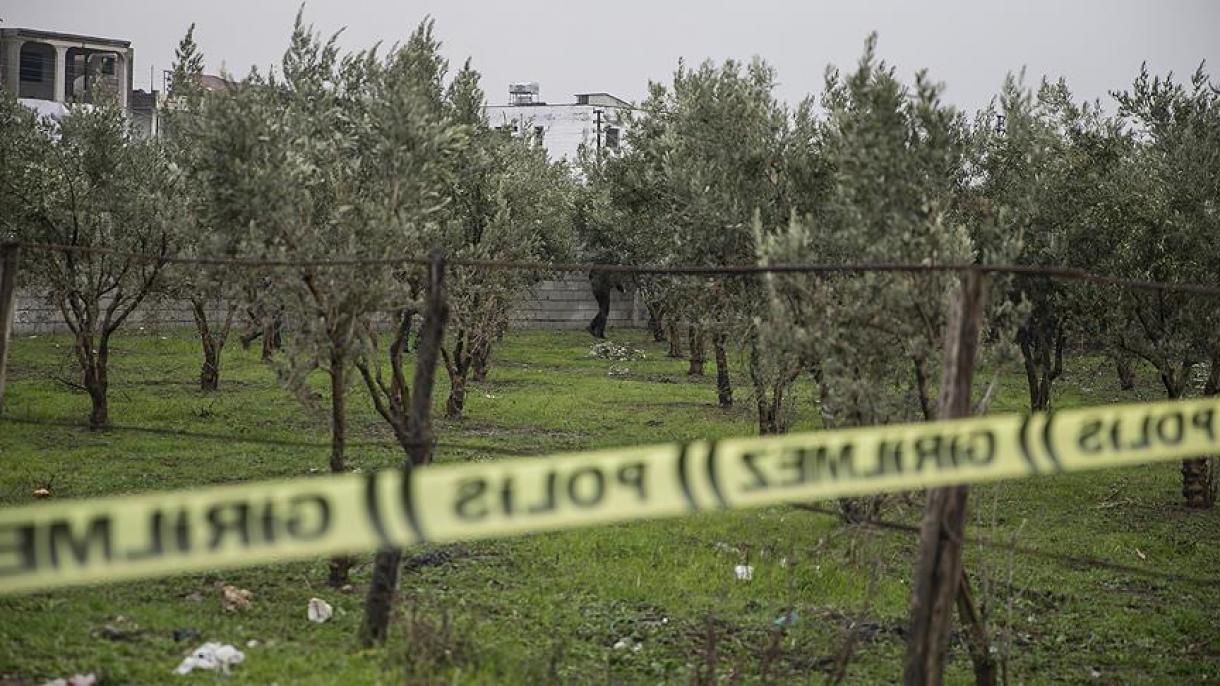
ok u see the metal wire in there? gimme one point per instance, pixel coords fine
(1052, 272)
(1062, 558)
(252, 440)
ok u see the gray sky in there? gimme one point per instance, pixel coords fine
(575, 47)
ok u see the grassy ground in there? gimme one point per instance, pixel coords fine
(645, 603)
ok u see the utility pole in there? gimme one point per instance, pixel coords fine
(597, 118)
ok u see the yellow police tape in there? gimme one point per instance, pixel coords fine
(49, 545)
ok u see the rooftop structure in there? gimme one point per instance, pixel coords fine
(64, 67)
(594, 120)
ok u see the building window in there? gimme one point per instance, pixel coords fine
(32, 66)
(108, 66)
(612, 137)
(539, 132)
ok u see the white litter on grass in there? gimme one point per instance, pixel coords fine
(628, 642)
(75, 680)
(744, 572)
(319, 610)
(212, 656)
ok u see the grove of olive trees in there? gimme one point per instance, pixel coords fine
(317, 189)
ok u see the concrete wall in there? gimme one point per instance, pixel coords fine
(562, 304)
(569, 304)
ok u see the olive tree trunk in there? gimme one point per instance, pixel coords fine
(656, 321)
(341, 565)
(1126, 371)
(212, 338)
(1041, 341)
(698, 351)
(770, 389)
(674, 336)
(417, 442)
(724, 383)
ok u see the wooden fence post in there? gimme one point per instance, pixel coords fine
(8, 307)
(379, 601)
(938, 571)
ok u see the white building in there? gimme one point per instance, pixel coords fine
(594, 120)
(62, 67)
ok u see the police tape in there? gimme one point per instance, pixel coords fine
(49, 545)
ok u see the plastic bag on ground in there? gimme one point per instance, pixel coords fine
(319, 610)
(211, 656)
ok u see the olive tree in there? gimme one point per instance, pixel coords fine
(895, 157)
(510, 203)
(86, 183)
(892, 162)
(213, 292)
(897, 161)
(723, 168)
(340, 158)
(1031, 175)
(1160, 202)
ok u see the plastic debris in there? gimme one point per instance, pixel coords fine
(211, 656)
(628, 642)
(42, 493)
(233, 598)
(787, 619)
(319, 610)
(744, 572)
(89, 679)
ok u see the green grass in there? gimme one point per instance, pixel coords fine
(550, 608)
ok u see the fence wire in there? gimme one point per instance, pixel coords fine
(1086, 561)
(1051, 272)
(254, 440)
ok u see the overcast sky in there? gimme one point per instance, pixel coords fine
(572, 47)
